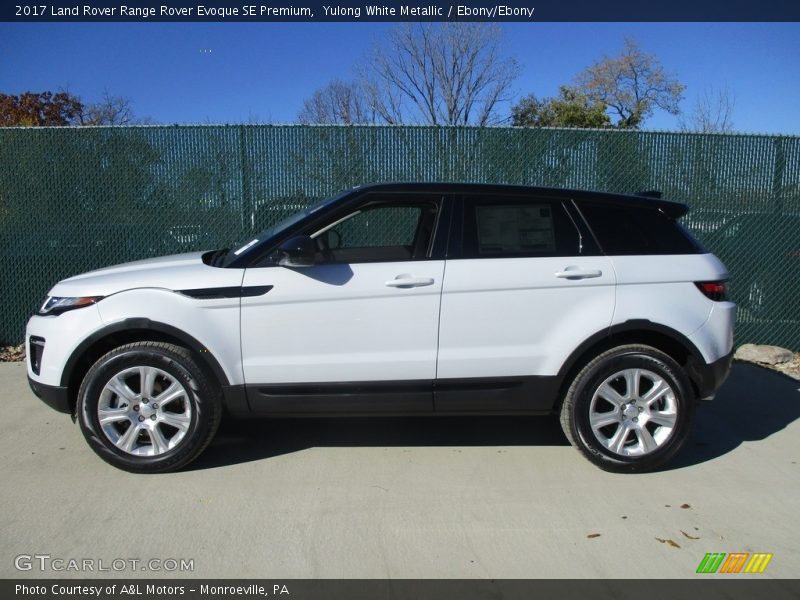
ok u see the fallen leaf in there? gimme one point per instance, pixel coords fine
(624, 517)
(12, 353)
(667, 505)
(691, 537)
(672, 543)
(685, 506)
(593, 535)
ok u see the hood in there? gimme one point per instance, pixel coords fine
(177, 272)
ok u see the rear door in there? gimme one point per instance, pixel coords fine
(526, 286)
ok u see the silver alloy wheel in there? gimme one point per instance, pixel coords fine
(633, 412)
(144, 411)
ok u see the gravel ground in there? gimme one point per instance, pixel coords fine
(791, 368)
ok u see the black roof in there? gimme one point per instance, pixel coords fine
(672, 209)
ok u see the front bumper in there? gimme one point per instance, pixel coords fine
(709, 377)
(55, 397)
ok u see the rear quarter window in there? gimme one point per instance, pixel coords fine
(632, 230)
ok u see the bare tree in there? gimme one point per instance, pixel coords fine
(439, 74)
(712, 111)
(110, 110)
(337, 103)
(632, 85)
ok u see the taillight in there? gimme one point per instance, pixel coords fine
(713, 290)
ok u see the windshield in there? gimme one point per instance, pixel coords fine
(242, 245)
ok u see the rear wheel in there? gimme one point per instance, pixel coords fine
(630, 409)
(148, 408)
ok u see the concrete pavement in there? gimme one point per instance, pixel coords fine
(408, 497)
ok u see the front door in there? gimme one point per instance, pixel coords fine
(362, 320)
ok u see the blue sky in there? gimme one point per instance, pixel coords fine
(264, 71)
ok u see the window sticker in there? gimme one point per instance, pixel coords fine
(515, 229)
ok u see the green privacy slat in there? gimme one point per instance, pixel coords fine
(74, 199)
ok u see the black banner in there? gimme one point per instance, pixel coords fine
(392, 10)
(708, 588)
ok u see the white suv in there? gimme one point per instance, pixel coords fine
(422, 299)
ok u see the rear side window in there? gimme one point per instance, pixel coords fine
(632, 230)
(509, 227)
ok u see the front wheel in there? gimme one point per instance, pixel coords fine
(629, 410)
(147, 407)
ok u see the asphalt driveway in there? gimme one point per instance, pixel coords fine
(409, 497)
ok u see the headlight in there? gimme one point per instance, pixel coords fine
(53, 305)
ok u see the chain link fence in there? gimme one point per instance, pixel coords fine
(75, 199)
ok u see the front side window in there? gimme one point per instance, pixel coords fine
(511, 227)
(377, 232)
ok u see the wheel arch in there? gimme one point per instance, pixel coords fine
(636, 331)
(124, 332)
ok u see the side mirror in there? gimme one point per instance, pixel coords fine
(298, 251)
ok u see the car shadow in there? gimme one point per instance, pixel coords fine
(240, 441)
(753, 404)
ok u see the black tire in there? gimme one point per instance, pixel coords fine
(202, 396)
(577, 407)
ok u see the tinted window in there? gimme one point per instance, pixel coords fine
(631, 230)
(377, 232)
(508, 227)
(385, 226)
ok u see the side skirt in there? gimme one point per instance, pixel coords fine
(493, 395)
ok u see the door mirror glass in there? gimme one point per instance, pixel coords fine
(296, 252)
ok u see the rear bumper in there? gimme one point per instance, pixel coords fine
(55, 397)
(709, 377)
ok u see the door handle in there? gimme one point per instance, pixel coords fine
(406, 281)
(573, 272)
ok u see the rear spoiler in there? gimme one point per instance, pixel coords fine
(674, 210)
(649, 194)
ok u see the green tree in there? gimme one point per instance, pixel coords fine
(569, 109)
(632, 85)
